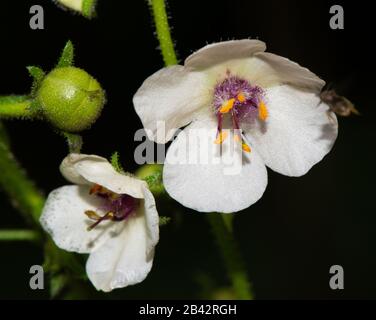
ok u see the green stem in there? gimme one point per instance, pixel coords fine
(74, 141)
(19, 235)
(158, 8)
(14, 181)
(16, 107)
(231, 256)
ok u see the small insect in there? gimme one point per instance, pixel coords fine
(340, 105)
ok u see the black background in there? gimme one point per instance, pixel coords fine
(298, 229)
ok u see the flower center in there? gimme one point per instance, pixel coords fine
(241, 101)
(118, 207)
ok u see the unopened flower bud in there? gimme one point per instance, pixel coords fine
(70, 99)
(85, 7)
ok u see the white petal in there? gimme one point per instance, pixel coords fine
(84, 169)
(122, 260)
(64, 218)
(290, 72)
(265, 70)
(199, 178)
(69, 171)
(298, 133)
(149, 210)
(220, 52)
(168, 100)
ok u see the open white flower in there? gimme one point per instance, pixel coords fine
(110, 215)
(235, 84)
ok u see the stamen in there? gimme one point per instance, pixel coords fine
(101, 191)
(246, 147)
(107, 216)
(92, 215)
(241, 98)
(96, 188)
(262, 111)
(227, 106)
(221, 137)
(114, 196)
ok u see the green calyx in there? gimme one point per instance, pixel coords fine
(88, 8)
(152, 174)
(70, 99)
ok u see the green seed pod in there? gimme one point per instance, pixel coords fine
(70, 99)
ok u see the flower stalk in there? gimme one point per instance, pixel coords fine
(19, 235)
(158, 8)
(13, 107)
(15, 182)
(231, 256)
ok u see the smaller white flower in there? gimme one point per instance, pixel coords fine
(110, 215)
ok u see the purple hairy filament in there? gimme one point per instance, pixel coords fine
(240, 100)
(118, 207)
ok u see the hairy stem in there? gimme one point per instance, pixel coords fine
(14, 181)
(158, 8)
(231, 255)
(19, 235)
(16, 107)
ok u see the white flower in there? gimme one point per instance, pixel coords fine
(235, 84)
(107, 214)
